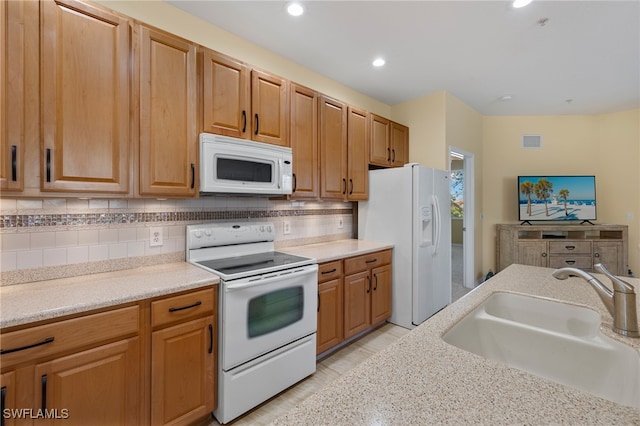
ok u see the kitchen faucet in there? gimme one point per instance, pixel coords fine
(621, 302)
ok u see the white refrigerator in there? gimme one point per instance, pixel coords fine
(410, 207)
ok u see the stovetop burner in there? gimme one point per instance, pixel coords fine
(252, 264)
(238, 250)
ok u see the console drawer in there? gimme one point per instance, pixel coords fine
(581, 262)
(570, 247)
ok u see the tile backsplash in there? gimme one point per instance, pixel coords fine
(55, 238)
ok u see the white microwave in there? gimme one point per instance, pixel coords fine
(243, 167)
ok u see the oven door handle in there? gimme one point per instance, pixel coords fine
(266, 279)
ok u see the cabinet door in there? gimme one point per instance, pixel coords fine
(7, 396)
(611, 255)
(330, 315)
(381, 294)
(270, 108)
(333, 148)
(12, 94)
(533, 253)
(304, 142)
(84, 98)
(358, 154)
(96, 386)
(226, 95)
(399, 144)
(357, 303)
(183, 372)
(168, 135)
(380, 151)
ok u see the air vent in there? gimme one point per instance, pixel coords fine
(531, 141)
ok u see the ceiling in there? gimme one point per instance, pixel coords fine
(551, 57)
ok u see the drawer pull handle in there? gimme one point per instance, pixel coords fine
(22, 348)
(198, 303)
(44, 392)
(570, 262)
(210, 338)
(329, 272)
(570, 247)
(371, 260)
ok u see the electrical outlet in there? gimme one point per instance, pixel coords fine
(155, 237)
(340, 223)
(286, 226)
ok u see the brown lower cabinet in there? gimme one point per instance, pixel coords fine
(354, 295)
(150, 362)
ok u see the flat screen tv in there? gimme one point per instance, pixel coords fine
(555, 198)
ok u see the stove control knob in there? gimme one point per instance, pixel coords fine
(197, 234)
(208, 232)
(269, 228)
(261, 228)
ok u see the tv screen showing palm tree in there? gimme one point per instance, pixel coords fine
(557, 198)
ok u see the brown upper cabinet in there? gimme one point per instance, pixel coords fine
(12, 94)
(332, 133)
(304, 142)
(399, 144)
(168, 102)
(358, 153)
(389, 143)
(243, 102)
(85, 71)
(343, 134)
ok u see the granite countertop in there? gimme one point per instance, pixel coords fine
(43, 300)
(420, 379)
(334, 250)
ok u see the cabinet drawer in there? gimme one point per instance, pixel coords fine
(570, 247)
(182, 307)
(329, 271)
(44, 340)
(357, 264)
(582, 262)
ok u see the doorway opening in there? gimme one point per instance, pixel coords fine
(462, 222)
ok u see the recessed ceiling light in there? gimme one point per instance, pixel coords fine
(378, 62)
(295, 9)
(506, 97)
(520, 3)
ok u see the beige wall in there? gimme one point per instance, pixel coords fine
(604, 145)
(169, 18)
(438, 122)
(425, 117)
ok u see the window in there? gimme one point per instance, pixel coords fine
(457, 193)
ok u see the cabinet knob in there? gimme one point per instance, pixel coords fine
(544, 254)
(596, 255)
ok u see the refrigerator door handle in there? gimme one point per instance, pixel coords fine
(436, 225)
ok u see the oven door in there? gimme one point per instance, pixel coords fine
(263, 313)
